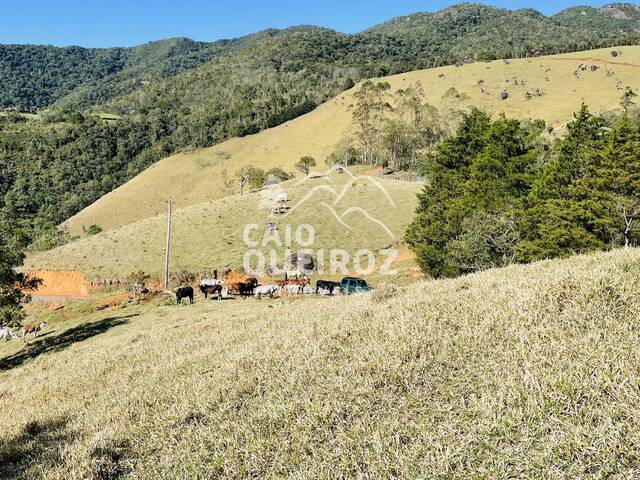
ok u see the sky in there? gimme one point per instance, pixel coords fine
(109, 23)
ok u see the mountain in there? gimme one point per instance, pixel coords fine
(613, 17)
(175, 95)
(37, 76)
(34, 77)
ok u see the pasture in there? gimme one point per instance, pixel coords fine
(527, 372)
(197, 176)
(210, 235)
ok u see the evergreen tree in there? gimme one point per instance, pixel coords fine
(566, 208)
(490, 200)
(485, 167)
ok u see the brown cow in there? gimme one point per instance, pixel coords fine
(34, 328)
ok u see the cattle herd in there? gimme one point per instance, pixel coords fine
(217, 288)
(251, 287)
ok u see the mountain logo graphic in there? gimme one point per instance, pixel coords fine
(275, 192)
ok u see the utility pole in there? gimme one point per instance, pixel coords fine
(166, 254)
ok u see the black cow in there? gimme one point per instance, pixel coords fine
(327, 285)
(246, 289)
(184, 292)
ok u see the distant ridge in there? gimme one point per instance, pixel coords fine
(37, 76)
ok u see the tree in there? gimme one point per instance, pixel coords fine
(397, 141)
(344, 153)
(306, 164)
(441, 206)
(616, 176)
(410, 104)
(478, 181)
(278, 174)
(487, 241)
(368, 114)
(253, 176)
(586, 197)
(627, 99)
(14, 286)
(629, 210)
(566, 207)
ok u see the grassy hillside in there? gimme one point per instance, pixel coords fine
(528, 372)
(210, 235)
(193, 177)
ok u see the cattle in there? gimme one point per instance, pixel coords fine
(327, 285)
(212, 282)
(184, 292)
(211, 290)
(246, 289)
(34, 328)
(7, 334)
(266, 290)
(293, 289)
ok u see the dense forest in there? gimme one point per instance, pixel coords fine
(33, 77)
(181, 94)
(498, 193)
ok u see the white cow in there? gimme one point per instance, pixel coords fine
(7, 334)
(266, 290)
(293, 289)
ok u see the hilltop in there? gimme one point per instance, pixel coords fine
(193, 177)
(530, 371)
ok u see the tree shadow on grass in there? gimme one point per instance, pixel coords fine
(51, 343)
(39, 444)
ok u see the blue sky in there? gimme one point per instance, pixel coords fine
(103, 23)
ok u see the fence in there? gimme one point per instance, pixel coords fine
(404, 176)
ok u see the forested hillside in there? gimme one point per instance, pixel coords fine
(33, 77)
(240, 87)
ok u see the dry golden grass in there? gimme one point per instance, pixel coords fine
(193, 177)
(527, 372)
(210, 235)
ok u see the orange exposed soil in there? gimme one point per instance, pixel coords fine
(405, 254)
(61, 283)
